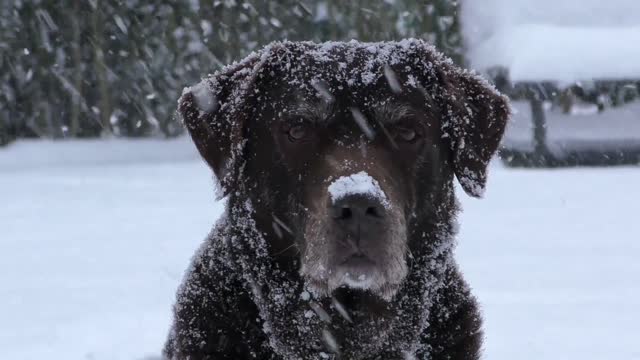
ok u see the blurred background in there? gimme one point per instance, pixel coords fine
(103, 199)
(99, 69)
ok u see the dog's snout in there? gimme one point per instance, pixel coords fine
(360, 209)
(359, 222)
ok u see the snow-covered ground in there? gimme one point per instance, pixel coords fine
(94, 237)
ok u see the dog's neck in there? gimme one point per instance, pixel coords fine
(277, 288)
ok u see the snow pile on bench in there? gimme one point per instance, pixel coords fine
(563, 54)
(549, 40)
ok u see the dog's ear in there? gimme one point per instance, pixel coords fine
(215, 114)
(475, 116)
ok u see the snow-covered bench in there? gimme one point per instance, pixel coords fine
(547, 54)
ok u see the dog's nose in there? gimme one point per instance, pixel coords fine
(357, 212)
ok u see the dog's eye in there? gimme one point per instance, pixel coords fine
(406, 134)
(297, 132)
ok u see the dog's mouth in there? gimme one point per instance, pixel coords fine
(358, 260)
(357, 271)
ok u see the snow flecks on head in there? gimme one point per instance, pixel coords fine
(357, 184)
(363, 124)
(358, 64)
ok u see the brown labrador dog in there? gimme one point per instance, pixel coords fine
(337, 161)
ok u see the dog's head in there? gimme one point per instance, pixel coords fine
(346, 148)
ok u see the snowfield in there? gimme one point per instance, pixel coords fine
(94, 237)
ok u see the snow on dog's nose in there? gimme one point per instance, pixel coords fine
(358, 208)
(357, 184)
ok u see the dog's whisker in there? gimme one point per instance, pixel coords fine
(287, 248)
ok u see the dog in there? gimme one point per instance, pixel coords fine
(337, 161)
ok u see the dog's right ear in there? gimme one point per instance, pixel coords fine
(215, 115)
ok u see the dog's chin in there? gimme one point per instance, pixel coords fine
(358, 274)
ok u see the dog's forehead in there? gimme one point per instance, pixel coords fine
(352, 69)
(329, 103)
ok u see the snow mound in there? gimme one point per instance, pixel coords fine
(550, 40)
(564, 54)
(360, 183)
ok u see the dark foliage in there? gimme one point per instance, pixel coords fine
(98, 68)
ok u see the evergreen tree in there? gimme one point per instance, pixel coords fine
(72, 68)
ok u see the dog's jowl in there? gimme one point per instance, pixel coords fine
(338, 163)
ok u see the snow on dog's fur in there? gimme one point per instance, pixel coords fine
(338, 162)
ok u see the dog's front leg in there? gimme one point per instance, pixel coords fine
(213, 316)
(454, 331)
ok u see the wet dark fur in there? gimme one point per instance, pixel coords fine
(216, 316)
(230, 320)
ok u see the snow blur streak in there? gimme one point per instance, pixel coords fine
(324, 92)
(204, 98)
(322, 313)
(330, 341)
(386, 133)
(282, 224)
(424, 92)
(392, 79)
(277, 230)
(362, 122)
(341, 310)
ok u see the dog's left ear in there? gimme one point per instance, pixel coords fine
(475, 117)
(215, 113)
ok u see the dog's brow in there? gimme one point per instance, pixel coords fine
(316, 112)
(392, 112)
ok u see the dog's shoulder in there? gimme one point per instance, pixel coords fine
(454, 331)
(214, 315)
